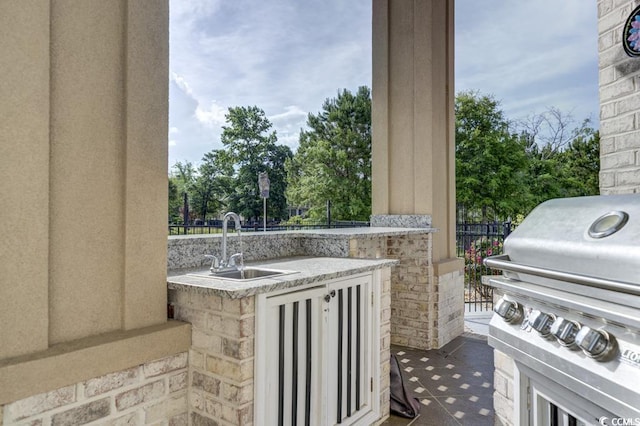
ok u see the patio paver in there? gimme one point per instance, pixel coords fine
(454, 383)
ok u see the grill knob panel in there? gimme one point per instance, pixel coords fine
(541, 322)
(565, 331)
(509, 310)
(597, 344)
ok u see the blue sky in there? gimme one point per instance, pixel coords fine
(288, 56)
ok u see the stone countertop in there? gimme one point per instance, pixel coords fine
(307, 271)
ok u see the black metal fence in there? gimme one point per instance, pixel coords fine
(215, 226)
(475, 242)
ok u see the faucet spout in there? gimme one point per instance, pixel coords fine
(236, 219)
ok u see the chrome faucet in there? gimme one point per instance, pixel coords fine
(223, 263)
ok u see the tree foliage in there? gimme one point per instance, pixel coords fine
(212, 184)
(251, 146)
(504, 169)
(333, 160)
(491, 161)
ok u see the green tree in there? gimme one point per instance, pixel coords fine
(581, 162)
(333, 161)
(183, 177)
(212, 184)
(491, 161)
(174, 202)
(561, 163)
(251, 145)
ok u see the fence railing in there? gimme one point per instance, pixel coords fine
(475, 242)
(215, 227)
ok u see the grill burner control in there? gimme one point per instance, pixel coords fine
(596, 344)
(509, 311)
(565, 331)
(541, 322)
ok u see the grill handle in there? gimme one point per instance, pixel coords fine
(503, 263)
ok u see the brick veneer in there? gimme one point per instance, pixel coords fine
(427, 311)
(619, 102)
(222, 356)
(146, 394)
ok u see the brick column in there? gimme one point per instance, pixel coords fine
(619, 103)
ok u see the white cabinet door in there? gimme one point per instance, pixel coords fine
(352, 351)
(317, 352)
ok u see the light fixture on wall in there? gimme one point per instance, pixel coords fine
(631, 34)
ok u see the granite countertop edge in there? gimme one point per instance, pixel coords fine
(307, 270)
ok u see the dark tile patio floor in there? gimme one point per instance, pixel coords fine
(454, 383)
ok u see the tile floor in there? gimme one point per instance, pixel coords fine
(454, 383)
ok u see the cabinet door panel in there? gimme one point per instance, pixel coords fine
(291, 355)
(349, 337)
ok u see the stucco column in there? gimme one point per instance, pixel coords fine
(413, 134)
(83, 178)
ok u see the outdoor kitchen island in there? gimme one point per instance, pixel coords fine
(302, 345)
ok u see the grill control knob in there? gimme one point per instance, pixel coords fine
(565, 331)
(597, 344)
(541, 322)
(509, 310)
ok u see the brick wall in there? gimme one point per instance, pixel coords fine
(222, 357)
(421, 317)
(619, 102)
(413, 308)
(503, 389)
(385, 343)
(449, 291)
(152, 393)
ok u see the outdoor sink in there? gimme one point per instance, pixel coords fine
(247, 274)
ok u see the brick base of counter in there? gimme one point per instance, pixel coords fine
(151, 393)
(221, 356)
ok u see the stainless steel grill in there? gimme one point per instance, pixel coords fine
(569, 314)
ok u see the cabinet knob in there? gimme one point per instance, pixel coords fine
(327, 298)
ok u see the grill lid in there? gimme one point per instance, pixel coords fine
(597, 237)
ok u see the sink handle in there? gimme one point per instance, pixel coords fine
(233, 261)
(215, 263)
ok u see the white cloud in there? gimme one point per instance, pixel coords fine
(211, 117)
(291, 111)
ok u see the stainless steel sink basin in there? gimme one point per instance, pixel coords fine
(247, 274)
